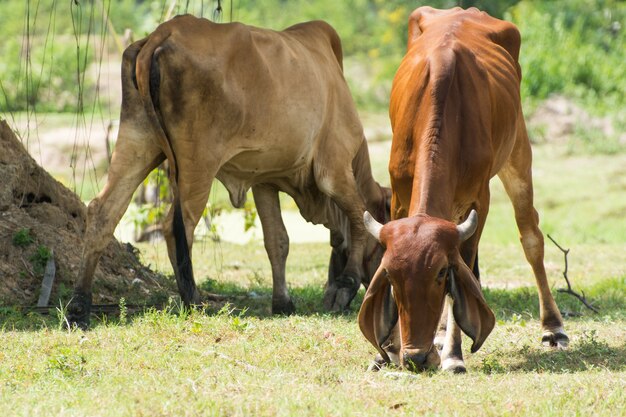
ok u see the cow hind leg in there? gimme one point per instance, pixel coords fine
(517, 180)
(132, 161)
(190, 199)
(276, 245)
(179, 251)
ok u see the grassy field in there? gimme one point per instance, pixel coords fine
(239, 360)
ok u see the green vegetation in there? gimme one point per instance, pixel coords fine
(574, 47)
(23, 238)
(40, 258)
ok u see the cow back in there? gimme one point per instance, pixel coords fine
(454, 105)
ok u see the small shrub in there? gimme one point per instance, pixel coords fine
(40, 258)
(238, 323)
(23, 238)
(491, 365)
(591, 345)
(67, 362)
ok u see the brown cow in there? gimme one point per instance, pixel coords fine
(253, 108)
(457, 122)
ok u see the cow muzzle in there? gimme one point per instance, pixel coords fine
(417, 360)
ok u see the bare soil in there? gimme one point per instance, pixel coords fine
(55, 217)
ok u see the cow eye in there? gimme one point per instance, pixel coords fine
(443, 272)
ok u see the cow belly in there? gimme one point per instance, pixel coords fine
(297, 181)
(238, 177)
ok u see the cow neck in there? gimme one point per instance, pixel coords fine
(433, 184)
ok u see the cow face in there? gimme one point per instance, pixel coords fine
(404, 302)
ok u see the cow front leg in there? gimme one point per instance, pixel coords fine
(451, 352)
(337, 263)
(276, 242)
(448, 337)
(131, 162)
(341, 290)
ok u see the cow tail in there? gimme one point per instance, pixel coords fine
(147, 77)
(148, 83)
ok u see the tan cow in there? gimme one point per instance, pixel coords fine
(457, 122)
(253, 108)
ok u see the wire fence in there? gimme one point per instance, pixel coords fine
(60, 84)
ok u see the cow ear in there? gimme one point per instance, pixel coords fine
(379, 314)
(470, 309)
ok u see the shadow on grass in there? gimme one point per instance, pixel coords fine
(243, 301)
(583, 357)
(257, 301)
(608, 296)
(587, 354)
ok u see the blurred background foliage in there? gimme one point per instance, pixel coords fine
(570, 47)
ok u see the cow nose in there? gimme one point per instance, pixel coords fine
(414, 359)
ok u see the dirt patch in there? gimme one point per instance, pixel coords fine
(558, 118)
(38, 215)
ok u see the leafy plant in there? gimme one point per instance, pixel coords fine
(491, 365)
(590, 343)
(40, 258)
(22, 238)
(68, 362)
(123, 311)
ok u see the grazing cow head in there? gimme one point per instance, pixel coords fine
(405, 299)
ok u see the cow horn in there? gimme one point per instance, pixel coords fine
(372, 225)
(468, 227)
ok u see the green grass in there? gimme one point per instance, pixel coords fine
(229, 363)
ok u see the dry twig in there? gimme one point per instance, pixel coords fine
(569, 289)
(28, 269)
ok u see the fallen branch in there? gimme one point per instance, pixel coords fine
(28, 269)
(569, 289)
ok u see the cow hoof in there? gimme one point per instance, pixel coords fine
(339, 295)
(343, 299)
(79, 310)
(454, 365)
(283, 308)
(556, 339)
(377, 364)
(330, 292)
